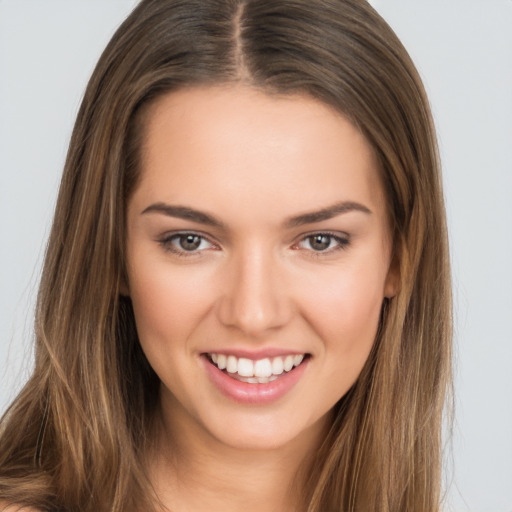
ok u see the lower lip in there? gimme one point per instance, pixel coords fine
(247, 393)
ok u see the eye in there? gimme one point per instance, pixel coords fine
(323, 242)
(183, 243)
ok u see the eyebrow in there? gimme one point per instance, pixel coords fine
(326, 213)
(187, 213)
(184, 212)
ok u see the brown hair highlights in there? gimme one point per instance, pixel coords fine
(75, 437)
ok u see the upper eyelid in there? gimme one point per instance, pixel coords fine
(166, 239)
(343, 241)
(335, 234)
(170, 234)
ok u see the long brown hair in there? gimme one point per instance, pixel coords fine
(75, 437)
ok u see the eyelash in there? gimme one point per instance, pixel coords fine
(342, 243)
(167, 243)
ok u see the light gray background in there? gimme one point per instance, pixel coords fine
(463, 49)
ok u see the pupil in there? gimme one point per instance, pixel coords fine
(190, 242)
(320, 242)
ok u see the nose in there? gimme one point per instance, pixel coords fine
(255, 298)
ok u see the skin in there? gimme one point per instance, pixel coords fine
(252, 161)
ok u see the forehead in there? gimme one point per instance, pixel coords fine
(235, 144)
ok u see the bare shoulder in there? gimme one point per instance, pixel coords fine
(10, 507)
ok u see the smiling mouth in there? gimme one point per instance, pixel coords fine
(261, 371)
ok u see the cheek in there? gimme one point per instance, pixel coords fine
(168, 302)
(344, 310)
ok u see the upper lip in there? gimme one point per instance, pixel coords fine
(256, 354)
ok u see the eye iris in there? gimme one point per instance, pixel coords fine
(190, 242)
(319, 242)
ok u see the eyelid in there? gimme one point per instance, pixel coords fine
(342, 238)
(166, 239)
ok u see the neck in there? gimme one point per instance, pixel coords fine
(191, 470)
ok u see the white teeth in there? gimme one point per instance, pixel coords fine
(232, 364)
(288, 363)
(255, 380)
(245, 367)
(277, 366)
(261, 371)
(262, 368)
(221, 361)
(297, 359)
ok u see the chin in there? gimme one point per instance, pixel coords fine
(265, 432)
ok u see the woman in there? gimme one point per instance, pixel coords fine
(245, 301)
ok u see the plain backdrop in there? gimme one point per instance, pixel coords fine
(463, 49)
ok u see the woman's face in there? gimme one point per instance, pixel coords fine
(258, 257)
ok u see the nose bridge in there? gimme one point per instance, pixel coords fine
(255, 301)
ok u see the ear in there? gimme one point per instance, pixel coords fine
(124, 289)
(392, 283)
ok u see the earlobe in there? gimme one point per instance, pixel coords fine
(124, 290)
(392, 284)
(392, 287)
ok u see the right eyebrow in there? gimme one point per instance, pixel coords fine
(184, 212)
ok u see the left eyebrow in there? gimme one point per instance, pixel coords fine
(326, 213)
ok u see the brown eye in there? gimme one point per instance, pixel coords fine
(185, 244)
(189, 242)
(324, 242)
(319, 242)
